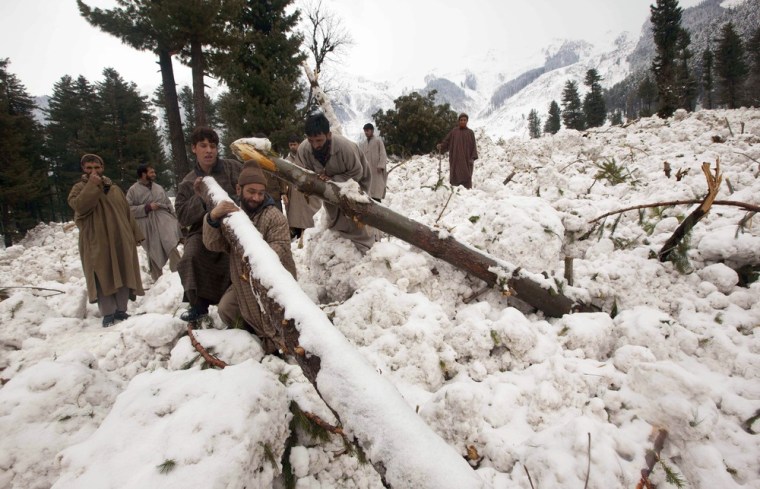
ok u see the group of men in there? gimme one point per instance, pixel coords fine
(112, 224)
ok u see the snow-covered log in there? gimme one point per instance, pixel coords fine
(398, 443)
(534, 289)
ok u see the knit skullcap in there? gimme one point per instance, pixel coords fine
(91, 157)
(251, 173)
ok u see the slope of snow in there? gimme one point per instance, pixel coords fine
(130, 406)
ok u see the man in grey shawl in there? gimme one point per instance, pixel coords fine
(460, 143)
(155, 215)
(333, 157)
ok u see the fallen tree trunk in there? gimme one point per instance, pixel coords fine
(534, 289)
(398, 443)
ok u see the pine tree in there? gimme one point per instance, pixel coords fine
(594, 109)
(552, 124)
(753, 80)
(534, 124)
(617, 118)
(126, 133)
(415, 125)
(647, 93)
(572, 112)
(262, 70)
(685, 82)
(24, 195)
(187, 106)
(708, 81)
(730, 67)
(70, 132)
(666, 28)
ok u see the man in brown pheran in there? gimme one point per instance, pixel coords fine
(108, 239)
(460, 143)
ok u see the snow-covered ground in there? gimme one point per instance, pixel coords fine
(561, 399)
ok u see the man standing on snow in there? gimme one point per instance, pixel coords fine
(155, 215)
(374, 151)
(108, 238)
(205, 274)
(460, 143)
(238, 301)
(300, 208)
(333, 157)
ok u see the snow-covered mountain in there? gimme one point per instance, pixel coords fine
(498, 93)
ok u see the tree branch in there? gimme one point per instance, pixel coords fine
(210, 359)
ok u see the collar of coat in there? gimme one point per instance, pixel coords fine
(217, 168)
(268, 201)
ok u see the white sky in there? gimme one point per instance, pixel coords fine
(46, 39)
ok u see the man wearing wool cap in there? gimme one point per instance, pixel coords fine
(238, 306)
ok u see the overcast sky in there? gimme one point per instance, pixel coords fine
(46, 39)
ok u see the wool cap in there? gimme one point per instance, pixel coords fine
(251, 173)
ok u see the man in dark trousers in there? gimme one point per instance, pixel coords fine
(460, 143)
(205, 274)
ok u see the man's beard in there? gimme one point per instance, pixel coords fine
(248, 208)
(322, 154)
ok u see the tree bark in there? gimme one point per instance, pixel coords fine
(176, 136)
(533, 289)
(199, 88)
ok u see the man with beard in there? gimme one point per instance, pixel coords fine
(460, 143)
(238, 303)
(108, 238)
(204, 274)
(155, 215)
(334, 158)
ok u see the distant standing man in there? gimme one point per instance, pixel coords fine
(205, 274)
(238, 301)
(374, 151)
(334, 158)
(108, 238)
(155, 215)
(460, 143)
(300, 208)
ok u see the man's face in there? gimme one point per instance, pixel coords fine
(251, 196)
(205, 152)
(369, 133)
(293, 147)
(91, 167)
(150, 175)
(318, 141)
(463, 122)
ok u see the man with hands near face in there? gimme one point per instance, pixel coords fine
(238, 304)
(108, 239)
